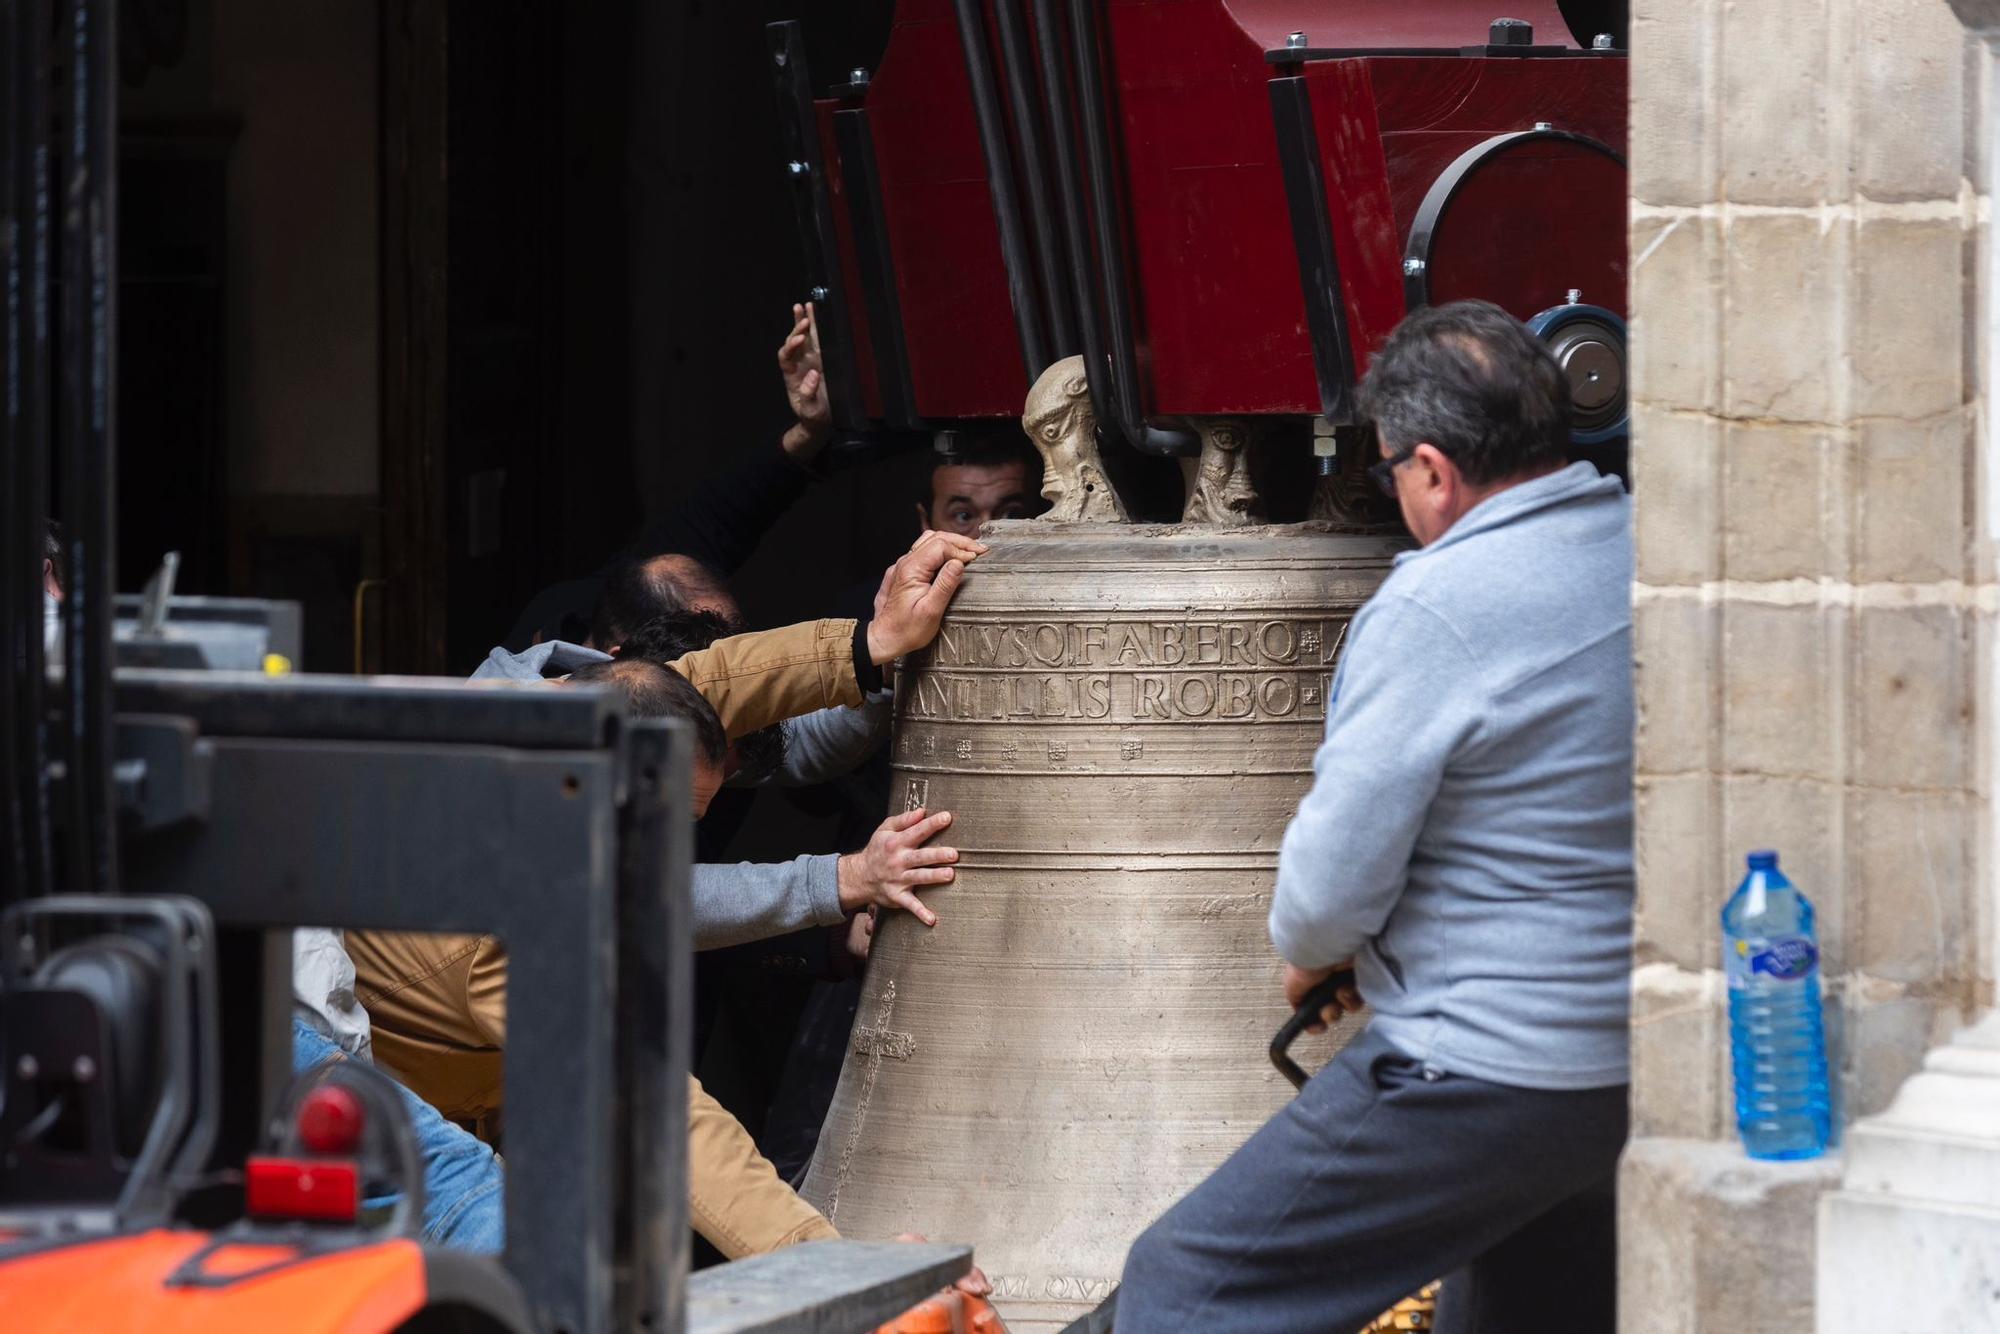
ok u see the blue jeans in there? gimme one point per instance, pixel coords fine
(464, 1184)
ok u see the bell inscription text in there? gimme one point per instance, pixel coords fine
(1123, 671)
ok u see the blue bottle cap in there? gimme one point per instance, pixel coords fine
(1764, 860)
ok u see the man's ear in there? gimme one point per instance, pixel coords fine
(923, 518)
(1433, 461)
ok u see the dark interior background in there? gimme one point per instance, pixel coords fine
(616, 257)
(428, 304)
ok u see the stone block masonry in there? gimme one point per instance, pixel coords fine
(1815, 587)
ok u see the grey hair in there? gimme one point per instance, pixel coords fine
(1469, 379)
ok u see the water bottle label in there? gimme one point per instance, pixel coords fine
(1779, 959)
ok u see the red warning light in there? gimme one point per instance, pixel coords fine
(330, 1120)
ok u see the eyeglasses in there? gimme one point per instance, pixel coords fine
(1383, 471)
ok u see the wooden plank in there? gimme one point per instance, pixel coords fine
(822, 1287)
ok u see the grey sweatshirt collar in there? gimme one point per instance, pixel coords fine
(1578, 480)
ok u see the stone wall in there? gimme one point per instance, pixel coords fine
(1815, 579)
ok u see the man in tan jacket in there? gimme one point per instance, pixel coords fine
(438, 1003)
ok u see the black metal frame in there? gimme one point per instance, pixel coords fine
(653, 1040)
(1417, 253)
(1108, 221)
(1060, 105)
(812, 202)
(877, 260)
(1312, 236)
(1292, 55)
(1032, 134)
(419, 820)
(86, 430)
(1021, 290)
(24, 436)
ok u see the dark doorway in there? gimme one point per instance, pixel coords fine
(589, 259)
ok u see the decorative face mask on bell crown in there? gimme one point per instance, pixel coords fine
(1220, 490)
(1059, 419)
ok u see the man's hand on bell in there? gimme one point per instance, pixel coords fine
(915, 593)
(895, 864)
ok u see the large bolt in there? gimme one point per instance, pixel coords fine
(797, 168)
(1603, 42)
(1412, 267)
(819, 294)
(1544, 125)
(858, 76)
(1574, 296)
(1295, 41)
(1511, 32)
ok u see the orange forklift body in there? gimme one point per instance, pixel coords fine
(121, 1283)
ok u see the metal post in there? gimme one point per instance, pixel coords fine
(876, 258)
(14, 602)
(24, 446)
(88, 438)
(812, 202)
(1000, 181)
(654, 1036)
(1108, 218)
(1075, 214)
(1312, 238)
(1030, 133)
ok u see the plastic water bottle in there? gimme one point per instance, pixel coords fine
(1776, 1042)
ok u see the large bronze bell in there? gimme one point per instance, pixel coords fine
(1122, 719)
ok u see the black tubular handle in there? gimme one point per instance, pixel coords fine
(1316, 1000)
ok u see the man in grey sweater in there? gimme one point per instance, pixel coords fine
(737, 902)
(1467, 848)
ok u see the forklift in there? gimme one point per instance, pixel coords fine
(167, 826)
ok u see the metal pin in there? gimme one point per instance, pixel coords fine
(1544, 125)
(1412, 267)
(797, 168)
(1602, 42)
(1575, 295)
(1295, 41)
(819, 295)
(858, 75)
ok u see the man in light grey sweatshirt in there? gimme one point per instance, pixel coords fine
(736, 902)
(1467, 847)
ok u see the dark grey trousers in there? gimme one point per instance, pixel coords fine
(1376, 1180)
